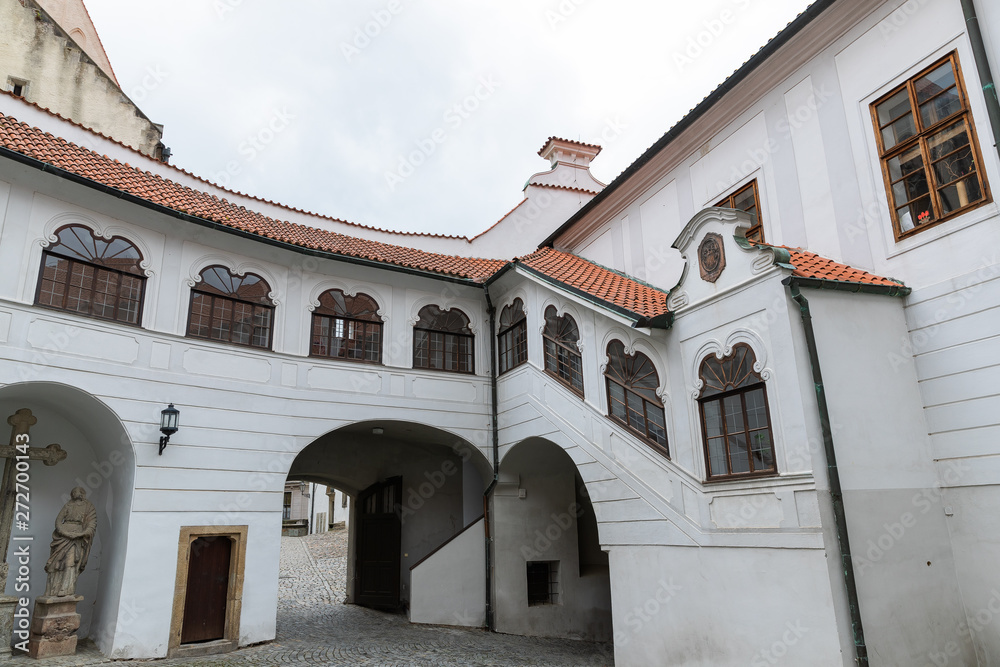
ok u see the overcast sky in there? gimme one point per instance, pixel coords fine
(418, 116)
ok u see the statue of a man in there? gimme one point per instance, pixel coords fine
(70, 546)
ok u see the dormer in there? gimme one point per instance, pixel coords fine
(717, 256)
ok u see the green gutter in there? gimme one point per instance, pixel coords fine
(845, 286)
(132, 199)
(755, 61)
(833, 473)
(983, 67)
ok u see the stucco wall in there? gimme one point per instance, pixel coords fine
(449, 588)
(62, 78)
(763, 607)
(906, 571)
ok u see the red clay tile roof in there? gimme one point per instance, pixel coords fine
(609, 286)
(810, 265)
(568, 141)
(225, 189)
(32, 142)
(564, 187)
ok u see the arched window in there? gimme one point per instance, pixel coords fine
(632, 384)
(734, 415)
(562, 356)
(230, 308)
(512, 341)
(88, 275)
(442, 340)
(347, 327)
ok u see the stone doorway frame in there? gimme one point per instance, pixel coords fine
(234, 595)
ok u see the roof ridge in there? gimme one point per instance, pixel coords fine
(190, 174)
(565, 187)
(38, 146)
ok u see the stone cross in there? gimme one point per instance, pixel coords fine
(20, 422)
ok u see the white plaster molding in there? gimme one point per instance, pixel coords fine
(678, 300)
(106, 232)
(692, 229)
(634, 343)
(711, 346)
(349, 289)
(564, 308)
(756, 343)
(239, 269)
(470, 310)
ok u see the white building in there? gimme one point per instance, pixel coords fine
(625, 434)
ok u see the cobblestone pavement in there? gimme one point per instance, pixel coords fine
(315, 628)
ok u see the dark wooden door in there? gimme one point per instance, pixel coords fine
(378, 547)
(207, 590)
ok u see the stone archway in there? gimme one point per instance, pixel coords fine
(101, 459)
(442, 478)
(552, 578)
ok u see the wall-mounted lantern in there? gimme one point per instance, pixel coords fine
(169, 422)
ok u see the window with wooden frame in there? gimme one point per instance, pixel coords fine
(927, 145)
(632, 383)
(747, 199)
(347, 327)
(87, 275)
(442, 340)
(562, 354)
(512, 340)
(231, 309)
(734, 416)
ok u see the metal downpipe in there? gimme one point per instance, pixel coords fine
(491, 311)
(836, 494)
(983, 67)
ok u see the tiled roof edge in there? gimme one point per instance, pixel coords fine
(586, 296)
(160, 208)
(190, 174)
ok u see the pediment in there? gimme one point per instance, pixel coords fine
(717, 255)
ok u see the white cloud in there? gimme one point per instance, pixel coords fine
(562, 67)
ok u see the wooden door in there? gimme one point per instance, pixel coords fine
(207, 590)
(378, 546)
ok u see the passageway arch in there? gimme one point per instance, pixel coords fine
(433, 480)
(545, 531)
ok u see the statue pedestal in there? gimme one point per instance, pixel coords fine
(7, 606)
(53, 626)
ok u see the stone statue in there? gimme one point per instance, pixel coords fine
(70, 546)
